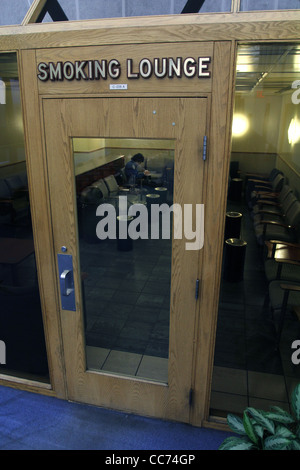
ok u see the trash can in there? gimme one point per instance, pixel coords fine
(236, 188)
(152, 199)
(124, 244)
(233, 224)
(163, 192)
(235, 252)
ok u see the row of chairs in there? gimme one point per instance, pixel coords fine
(14, 199)
(275, 211)
(103, 188)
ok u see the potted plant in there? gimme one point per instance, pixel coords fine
(266, 430)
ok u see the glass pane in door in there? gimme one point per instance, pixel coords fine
(23, 351)
(125, 252)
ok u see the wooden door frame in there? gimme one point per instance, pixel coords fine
(204, 329)
(225, 31)
(83, 117)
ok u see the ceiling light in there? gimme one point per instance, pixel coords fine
(294, 131)
(240, 125)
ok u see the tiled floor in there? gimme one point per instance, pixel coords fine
(248, 371)
(126, 363)
(127, 306)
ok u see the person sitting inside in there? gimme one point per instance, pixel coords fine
(133, 169)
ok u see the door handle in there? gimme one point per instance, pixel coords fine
(66, 282)
(67, 278)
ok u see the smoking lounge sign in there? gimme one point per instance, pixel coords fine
(161, 68)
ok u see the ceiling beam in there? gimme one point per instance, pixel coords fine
(40, 8)
(193, 6)
(34, 12)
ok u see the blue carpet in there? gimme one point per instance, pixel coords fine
(34, 422)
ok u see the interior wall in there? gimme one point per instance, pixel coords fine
(272, 138)
(263, 114)
(11, 126)
(289, 142)
(92, 153)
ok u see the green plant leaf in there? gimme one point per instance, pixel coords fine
(249, 428)
(283, 431)
(282, 417)
(295, 444)
(296, 402)
(236, 443)
(276, 443)
(260, 418)
(236, 424)
(258, 429)
(277, 409)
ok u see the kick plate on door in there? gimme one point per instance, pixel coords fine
(66, 282)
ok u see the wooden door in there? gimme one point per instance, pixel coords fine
(165, 128)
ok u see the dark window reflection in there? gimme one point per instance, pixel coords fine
(21, 326)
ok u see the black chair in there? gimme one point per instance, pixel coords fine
(283, 296)
(277, 213)
(273, 204)
(254, 179)
(265, 190)
(14, 199)
(287, 230)
(282, 268)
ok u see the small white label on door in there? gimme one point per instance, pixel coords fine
(118, 86)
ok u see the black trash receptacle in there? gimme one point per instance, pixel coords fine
(236, 188)
(163, 192)
(152, 199)
(233, 224)
(235, 252)
(124, 244)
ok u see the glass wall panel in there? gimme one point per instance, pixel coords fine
(248, 5)
(14, 11)
(85, 9)
(257, 348)
(21, 326)
(125, 253)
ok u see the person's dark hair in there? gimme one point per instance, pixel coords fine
(138, 157)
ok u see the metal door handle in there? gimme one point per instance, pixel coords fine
(66, 278)
(66, 281)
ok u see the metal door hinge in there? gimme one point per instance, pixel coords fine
(204, 153)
